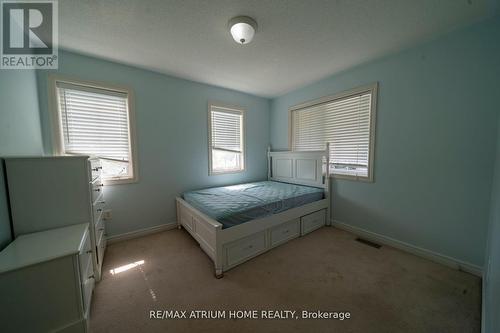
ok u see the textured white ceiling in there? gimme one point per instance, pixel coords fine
(298, 41)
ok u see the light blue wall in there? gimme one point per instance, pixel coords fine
(435, 138)
(19, 128)
(171, 136)
(491, 281)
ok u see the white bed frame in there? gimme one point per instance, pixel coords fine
(232, 246)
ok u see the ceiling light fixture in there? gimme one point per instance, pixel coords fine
(242, 29)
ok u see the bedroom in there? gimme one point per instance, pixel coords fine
(423, 200)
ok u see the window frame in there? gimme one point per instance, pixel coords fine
(56, 121)
(373, 89)
(230, 107)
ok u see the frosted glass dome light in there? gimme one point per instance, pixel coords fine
(242, 29)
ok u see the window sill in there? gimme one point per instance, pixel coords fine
(217, 173)
(352, 177)
(120, 181)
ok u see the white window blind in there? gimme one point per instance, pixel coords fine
(226, 139)
(343, 122)
(96, 122)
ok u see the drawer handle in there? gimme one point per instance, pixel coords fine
(89, 251)
(97, 168)
(97, 189)
(102, 202)
(101, 229)
(91, 277)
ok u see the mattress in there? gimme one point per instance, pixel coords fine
(236, 204)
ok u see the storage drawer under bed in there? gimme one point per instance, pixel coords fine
(244, 249)
(285, 232)
(312, 221)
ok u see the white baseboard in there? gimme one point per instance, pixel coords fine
(141, 232)
(424, 253)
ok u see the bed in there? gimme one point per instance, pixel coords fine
(235, 223)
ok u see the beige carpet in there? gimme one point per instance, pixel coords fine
(385, 290)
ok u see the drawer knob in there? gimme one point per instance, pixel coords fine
(99, 209)
(97, 189)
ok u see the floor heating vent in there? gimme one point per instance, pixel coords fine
(369, 243)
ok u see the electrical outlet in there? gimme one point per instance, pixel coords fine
(107, 215)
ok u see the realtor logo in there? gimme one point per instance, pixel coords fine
(29, 34)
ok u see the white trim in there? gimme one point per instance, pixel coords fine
(418, 251)
(232, 109)
(141, 232)
(373, 89)
(56, 126)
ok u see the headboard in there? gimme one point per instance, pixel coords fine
(299, 167)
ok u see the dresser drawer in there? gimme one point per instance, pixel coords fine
(98, 208)
(99, 228)
(87, 280)
(88, 269)
(85, 257)
(245, 248)
(87, 288)
(100, 233)
(285, 232)
(96, 189)
(95, 168)
(101, 248)
(86, 273)
(312, 221)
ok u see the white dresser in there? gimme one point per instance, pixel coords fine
(52, 192)
(46, 281)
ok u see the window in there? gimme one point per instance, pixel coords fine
(347, 122)
(96, 121)
(225, 136)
